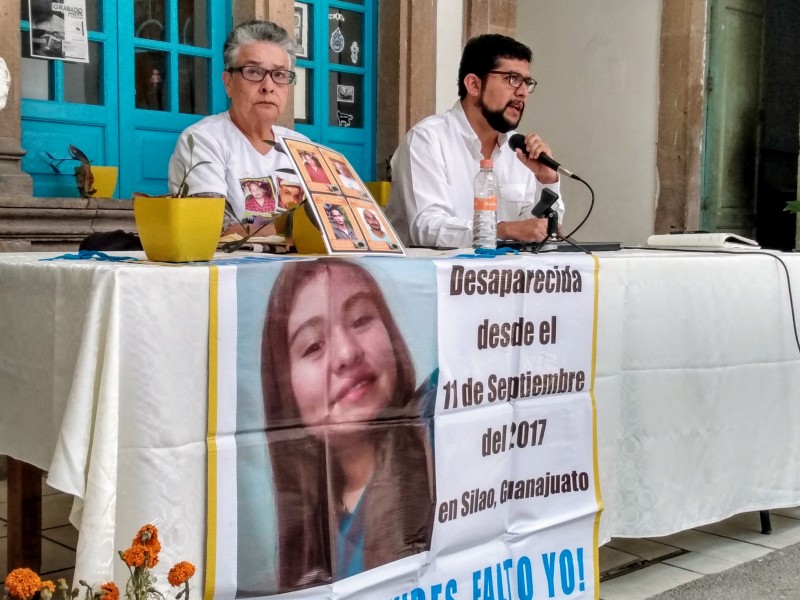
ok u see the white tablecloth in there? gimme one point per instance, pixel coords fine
(103, 384)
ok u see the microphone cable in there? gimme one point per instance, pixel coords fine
(591, 206)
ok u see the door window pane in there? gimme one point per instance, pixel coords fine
(192, 23)
(83, 82)
(148, 19)
(152, 79)
(303, 111)
(37, 74)
(345, 37)
(194, 85)
(345, 99)
(93, 9)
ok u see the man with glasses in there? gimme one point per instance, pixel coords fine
(431, 202)
(239, 143)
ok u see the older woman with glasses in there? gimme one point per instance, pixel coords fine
(238, 144)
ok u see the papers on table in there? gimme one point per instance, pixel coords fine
(717, 240)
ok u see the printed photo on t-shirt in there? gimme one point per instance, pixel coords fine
(259, 196)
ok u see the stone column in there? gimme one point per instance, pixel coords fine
(490, 16)
(680, 121)
(12, 180)
(406, 71)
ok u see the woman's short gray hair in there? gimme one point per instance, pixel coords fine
(257, 31)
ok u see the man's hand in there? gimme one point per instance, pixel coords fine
(535, 147)
(529, 230)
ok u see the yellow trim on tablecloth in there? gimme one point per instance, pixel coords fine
(211, 436)
(595, 458)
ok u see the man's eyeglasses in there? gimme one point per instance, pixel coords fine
(515, 80)
(253, 73)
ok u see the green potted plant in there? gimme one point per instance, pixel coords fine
(91, 180)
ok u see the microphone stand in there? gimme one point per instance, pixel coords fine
(553, 235)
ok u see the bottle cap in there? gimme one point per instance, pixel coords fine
(486, 163)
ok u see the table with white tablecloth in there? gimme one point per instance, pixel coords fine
(103, 384)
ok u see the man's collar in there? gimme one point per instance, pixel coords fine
(466, 128)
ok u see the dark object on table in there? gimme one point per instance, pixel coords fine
(111, 240)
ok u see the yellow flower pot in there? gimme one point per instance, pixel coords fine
(105, 181)
(179, 229)
(380, 190)
(305, 231)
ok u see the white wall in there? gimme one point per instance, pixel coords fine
(597, 65)
(448, 52)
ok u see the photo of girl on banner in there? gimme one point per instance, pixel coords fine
(351, 456)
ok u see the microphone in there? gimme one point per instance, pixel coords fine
(517, 141)
(547, 200)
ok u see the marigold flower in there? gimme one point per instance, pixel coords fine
(180, 573)
(148, 537)
(23, 583)
(134, 556)
(109, 591)
(47, 589)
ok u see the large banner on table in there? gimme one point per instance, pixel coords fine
(384, 428)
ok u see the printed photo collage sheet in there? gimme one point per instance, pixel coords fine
(350, 220)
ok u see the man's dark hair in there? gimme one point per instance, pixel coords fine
(482, 54)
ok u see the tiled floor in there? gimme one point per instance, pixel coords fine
(641, 568)
(631, 569)
(59, 538)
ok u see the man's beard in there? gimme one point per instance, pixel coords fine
(497, 119)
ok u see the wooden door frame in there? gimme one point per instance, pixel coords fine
(680, 114)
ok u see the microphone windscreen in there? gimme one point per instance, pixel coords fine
(517, 141)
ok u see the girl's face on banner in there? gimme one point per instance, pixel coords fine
(342, 364)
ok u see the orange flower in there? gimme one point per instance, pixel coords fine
(23, 583)
(48, 585)
(134, 556)
(148, 537)
(109, 591)
(180, 573)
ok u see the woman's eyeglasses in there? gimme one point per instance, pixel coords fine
(253, 73)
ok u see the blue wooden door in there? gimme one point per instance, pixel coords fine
(67, 103)
(171, 59)
(335, 92)
(153, 70)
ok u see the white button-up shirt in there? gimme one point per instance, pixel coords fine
(431, 202)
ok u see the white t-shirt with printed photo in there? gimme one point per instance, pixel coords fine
(233, 159)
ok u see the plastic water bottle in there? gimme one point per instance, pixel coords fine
(484, 222)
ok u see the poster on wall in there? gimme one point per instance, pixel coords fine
(58, 30)
(301, 29)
